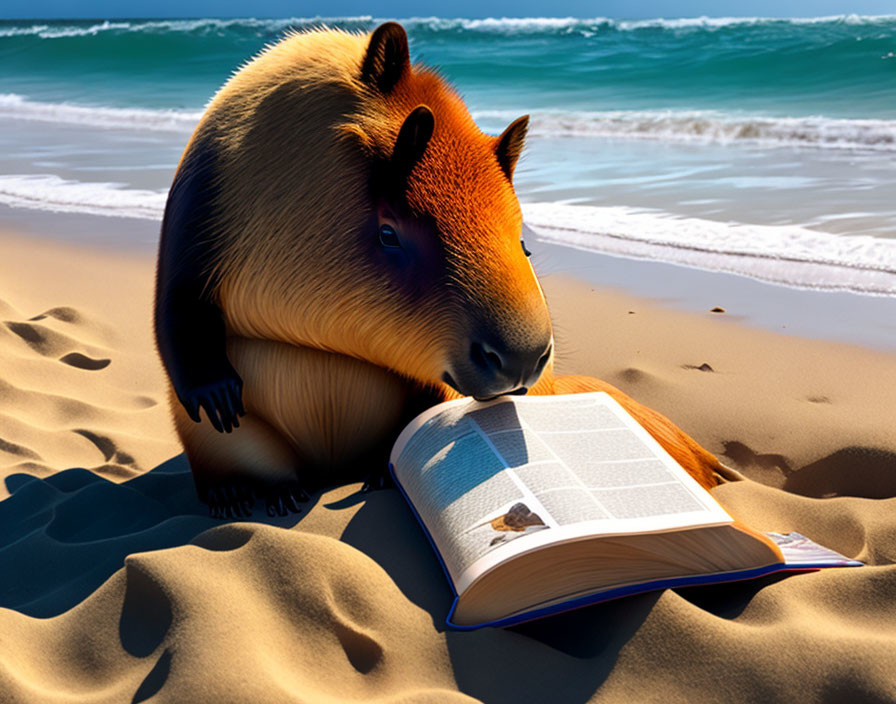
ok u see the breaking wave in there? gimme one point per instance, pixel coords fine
(51, 193)
(790, 255)
(17, 107)
(711, 126)
(498, 25)
(676, 126)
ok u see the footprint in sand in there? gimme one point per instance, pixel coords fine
(50, 343)
(82, 361)
(43, 341)
(107, 446)
(146, 614)
(63, 313)
(744, 456)
(633, 374)
(19, 450)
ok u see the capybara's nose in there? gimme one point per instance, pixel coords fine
(502, 369)
(486, 358)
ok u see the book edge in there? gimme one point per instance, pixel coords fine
(632, 590)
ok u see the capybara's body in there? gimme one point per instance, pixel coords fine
(340, 249)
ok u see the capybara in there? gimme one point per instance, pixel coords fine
(341, 248)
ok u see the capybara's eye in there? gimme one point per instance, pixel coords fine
(525, 250)
(389, 237)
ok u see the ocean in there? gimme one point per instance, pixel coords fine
(762, 147)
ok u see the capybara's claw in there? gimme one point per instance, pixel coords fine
(300, 494)
(221, 400)
(229, 501)
(282, 499)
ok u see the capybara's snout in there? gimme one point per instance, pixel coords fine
(493, 366)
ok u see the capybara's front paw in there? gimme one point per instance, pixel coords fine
(230, 501)
(284, 498)
(222, 400)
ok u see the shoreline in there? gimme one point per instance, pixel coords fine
(841, 316)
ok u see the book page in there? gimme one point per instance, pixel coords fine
(798, 551)
(457, 483)
(491, 480)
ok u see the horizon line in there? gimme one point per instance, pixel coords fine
(595, 18)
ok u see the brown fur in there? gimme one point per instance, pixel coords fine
(334, 357)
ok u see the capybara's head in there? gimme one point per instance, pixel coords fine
(443, 239)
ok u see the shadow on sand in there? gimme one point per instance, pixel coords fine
(65, 535)
(562, 658)
(864, 472)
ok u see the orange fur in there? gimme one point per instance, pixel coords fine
(333, 354)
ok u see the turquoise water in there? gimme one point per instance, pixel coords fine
(842, 67)
(714, 130)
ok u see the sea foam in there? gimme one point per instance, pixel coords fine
(795, 256)
(491, 25)
(17, 107)
(709, 127)
(668, 125)
(790, 255)
(52, 193)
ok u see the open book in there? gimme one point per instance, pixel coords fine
(539, 504)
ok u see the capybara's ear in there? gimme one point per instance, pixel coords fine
(387, 57)
(412, 139)
(510, 145)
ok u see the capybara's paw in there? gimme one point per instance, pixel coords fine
(230, 501)
(222, 401)
(284, 498)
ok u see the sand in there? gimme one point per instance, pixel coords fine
(116, 586)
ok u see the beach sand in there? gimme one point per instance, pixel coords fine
(116, 586)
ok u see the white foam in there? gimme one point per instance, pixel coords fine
(682, 126)
(705, 22)
(590, 26)
(709, 127)
(795, 256)
(212, 24)
(17, 107)
(73, 31)
(60, 31)
(23, 31)
(49, 192)
(505, 25)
